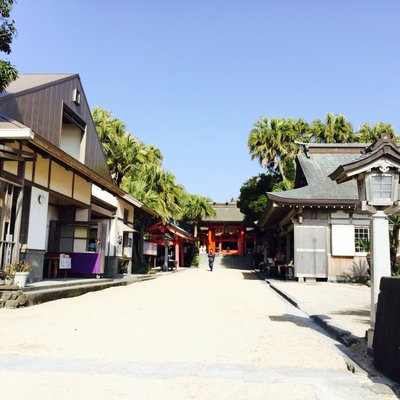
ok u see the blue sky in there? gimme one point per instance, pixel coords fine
(192, 77)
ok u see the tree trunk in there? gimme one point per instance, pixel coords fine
(280, 169)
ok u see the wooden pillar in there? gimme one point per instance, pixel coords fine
(241, 241)
(211, 240)
(177, 252)
(182, 254)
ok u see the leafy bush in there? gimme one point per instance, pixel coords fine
(396, 267)
(141, 267)
(18, 266)
(195, 260)
(364, 244)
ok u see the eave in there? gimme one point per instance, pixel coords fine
(384, 151)
(279, 200)
(73, 164)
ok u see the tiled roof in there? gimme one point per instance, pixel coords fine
(319, 186)
(226, 212)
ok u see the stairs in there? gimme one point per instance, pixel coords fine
(228, 261)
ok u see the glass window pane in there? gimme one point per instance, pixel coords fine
(360, 234)
(381, 186)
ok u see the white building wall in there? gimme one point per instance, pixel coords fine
(104, 196)
(37, 227)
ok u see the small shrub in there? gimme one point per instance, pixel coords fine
(396, 267)
(141, 267)
(17, 266)
(196, 260)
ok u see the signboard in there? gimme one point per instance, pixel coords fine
(150, 248)
(65, 263)
(119, 242)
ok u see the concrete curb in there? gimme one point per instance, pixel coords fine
(338, 333)
(342, 335)
(45, 295)
(50, 293)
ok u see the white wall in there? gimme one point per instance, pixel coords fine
(71, 138)
(343, 240)
(37, 228)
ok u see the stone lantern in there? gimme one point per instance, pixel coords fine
(167, 239)
(377, 174)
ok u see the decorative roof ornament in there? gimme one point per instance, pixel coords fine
(384, 166)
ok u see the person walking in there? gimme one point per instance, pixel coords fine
(211, 257)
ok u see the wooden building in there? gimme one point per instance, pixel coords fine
(177, 245)
(227, 233)
(318, 224)
(56, 192)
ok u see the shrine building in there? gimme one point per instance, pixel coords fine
(227, 233)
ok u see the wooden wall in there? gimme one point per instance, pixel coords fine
(41, 109)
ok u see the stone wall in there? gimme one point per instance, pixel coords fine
(36, 259)
(12, 297)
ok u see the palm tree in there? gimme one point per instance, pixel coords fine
(157, 188)
(195, 209)
(368, 133)
(137, 167)
(335, 129)
(272, 142)
(266, 143)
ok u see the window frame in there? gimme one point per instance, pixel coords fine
(357, 237)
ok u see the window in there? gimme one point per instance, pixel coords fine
(361, 233)
(381, 187)
(72, 139)
(76, 97)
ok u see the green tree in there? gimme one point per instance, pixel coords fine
(271, 142)
(335, 129)
(195, 209)
(8, 72)
(253, 198)
(157, 188)
(136, 166)
(125, 154)
(368, 133)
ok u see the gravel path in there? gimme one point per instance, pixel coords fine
(189, 335)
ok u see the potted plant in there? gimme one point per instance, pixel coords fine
(20, 271)
(5, 277)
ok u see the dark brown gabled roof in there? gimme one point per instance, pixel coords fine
(314, 167)
(38, 102)
(384, 148)
(319, 189)
(26, 82)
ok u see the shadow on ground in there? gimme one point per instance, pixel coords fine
(355, 313)
(250, 276)
(357, 354)
(234, 261)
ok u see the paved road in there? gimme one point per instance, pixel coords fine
(189, 335)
